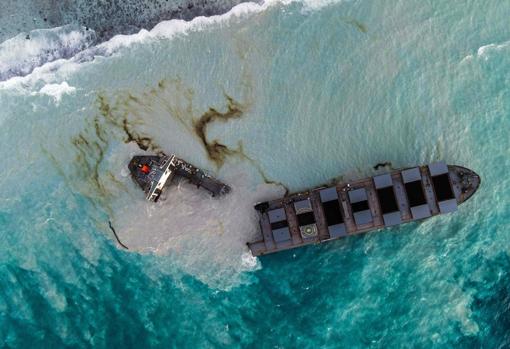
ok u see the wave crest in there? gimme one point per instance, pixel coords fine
(20, 55)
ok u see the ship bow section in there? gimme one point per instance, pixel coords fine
(465, 182)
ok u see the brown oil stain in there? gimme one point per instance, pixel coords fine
(262, 174)
(216, 151)
(355, 23)
(144, 142)
(386, 164)
(68, 180)
(361, 27)
(90, 154)
(173, 95)
(111, 123)
(122, 118)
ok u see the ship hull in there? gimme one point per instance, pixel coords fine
(348, 208)
(164, 170)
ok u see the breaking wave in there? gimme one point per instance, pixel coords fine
(23, 54)
(20, 55)
(74, 45)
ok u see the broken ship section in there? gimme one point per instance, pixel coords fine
(152, 173)
(329, 213)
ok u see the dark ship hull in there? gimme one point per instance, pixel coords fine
(152, 173)
(329, 213)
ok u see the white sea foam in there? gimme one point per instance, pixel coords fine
(311, 5)
(20, 55)
(171, 28)
(56, 91)
(50, 50)
(25, 62)
(207, 235)
(485, 51)
(462, 311)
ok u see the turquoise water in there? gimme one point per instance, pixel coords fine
(325, 89)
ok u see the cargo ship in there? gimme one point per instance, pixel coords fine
(155, 172)
(329, 213)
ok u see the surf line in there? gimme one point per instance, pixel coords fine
(116, 236)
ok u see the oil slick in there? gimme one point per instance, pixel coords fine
(128, 123)
(356, 24)
(177, 100)
(386, 164)
(216, 151)
(131, 134)
(116, 236)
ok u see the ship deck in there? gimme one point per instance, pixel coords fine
(349, 208)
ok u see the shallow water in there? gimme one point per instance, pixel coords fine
(323, 89)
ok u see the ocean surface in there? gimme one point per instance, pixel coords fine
(323, 89)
